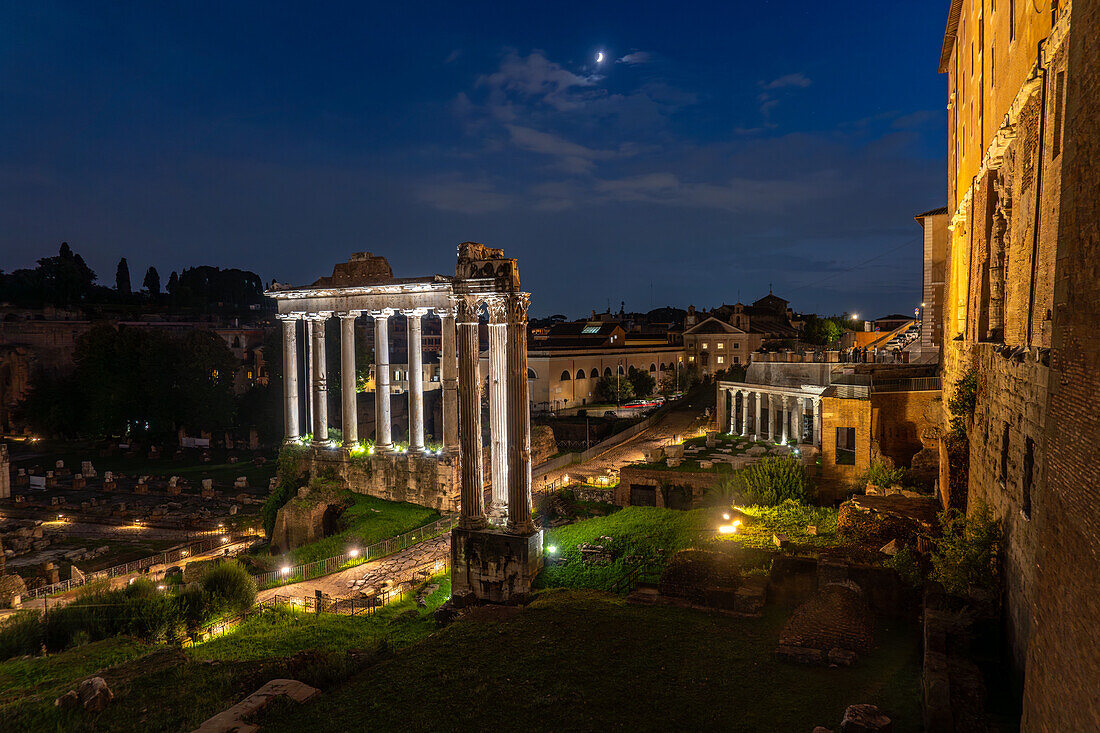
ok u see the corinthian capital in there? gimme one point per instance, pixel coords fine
(517, 307)
(497, 308)
(467, 308)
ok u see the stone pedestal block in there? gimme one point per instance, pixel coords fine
(493, 565)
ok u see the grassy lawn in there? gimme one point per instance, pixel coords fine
(366, 521)
(160, 688)
(583, 660)
(651, 535)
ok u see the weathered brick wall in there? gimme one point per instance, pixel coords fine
(844, 413)
(697, 481)
(1063, 671)
(905, 422)
(431, 481)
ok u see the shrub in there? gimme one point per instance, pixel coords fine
(882, 476)
(963, 401)
(966, 554)
(774, 480)
(228, 587)
(21, 635)
(906, 564)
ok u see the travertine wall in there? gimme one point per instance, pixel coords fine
(431, 481)
(1063, 670)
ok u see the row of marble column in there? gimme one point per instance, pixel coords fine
(509, 413)
(780, 409)
(317, 396)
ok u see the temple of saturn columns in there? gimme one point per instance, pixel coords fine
(496, 548)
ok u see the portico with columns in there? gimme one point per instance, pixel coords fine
(740, 408)
(496, 548)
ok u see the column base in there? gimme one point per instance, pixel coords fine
(494, 566)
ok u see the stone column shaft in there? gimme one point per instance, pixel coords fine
(817, 421)
(449, 376)
(519, 419)
(756, 434)
(796, 419)
(745, 413)
(290, 377)
(349, 417)
(723, 410)
(416, 381)
(785, 417)
(383, 440)
(469, 414)
(498, 418)
(320, 380)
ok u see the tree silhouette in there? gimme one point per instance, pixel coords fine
(152, 281)
(122, 277)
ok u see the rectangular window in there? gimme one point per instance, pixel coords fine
(737, 360)
(1028, 476)
(721, 360)
(1059, 92)
(845, 446)
(691, 358)
(737, 344)
(705, 344)
(720, 345)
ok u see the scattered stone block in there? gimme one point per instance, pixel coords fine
(675, 451)
(233, 719)
(706, 465)
(208, 483)
(890, 548)
(241, 482)
(94, 694)
(865, 719)
(87, 469)
(712, 439)
(675, 462)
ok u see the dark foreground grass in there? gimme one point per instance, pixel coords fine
(165, 689)
(584, 660)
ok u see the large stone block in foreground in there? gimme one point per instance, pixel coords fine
(493, 565)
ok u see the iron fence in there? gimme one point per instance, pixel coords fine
(168, 557)
(317, 568)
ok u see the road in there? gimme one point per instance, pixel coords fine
(681, 421)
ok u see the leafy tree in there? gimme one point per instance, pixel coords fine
(152, 281)
(774, 480)
(122, 277)
(615, 389)
(966, 553)
(642, 382)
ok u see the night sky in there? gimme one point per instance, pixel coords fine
(717, 149)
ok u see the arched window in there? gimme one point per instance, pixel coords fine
(621, 370)
(531, 373)
(580, 374)
(594, 374)
(652, 367)
(664, 367)
(564, 375)
(607, 371)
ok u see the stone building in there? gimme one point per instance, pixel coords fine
(934, 223)
(1020, 314)
(727, 335)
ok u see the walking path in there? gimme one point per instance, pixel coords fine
(398, 569)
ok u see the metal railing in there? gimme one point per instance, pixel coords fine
(168, 557)
(317, 568)
(906, 384)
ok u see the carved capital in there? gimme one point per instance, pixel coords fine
(380, 312)
(289, 317)
(320, 316)
(349, 315)
(468, 306)
(450, 312)
(414, 312)
(496, 306)
(517, 307)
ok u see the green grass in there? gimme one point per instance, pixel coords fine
(645, 534)
(368, 520)
(583, 660)
(650, 536)
(158, 688)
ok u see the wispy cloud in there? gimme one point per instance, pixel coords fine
(464, 196)
(798, 79)
(635, 57)
(453, 56)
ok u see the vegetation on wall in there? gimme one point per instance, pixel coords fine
(882, 475)
(962, 402)
(288, 473)
(966, 555)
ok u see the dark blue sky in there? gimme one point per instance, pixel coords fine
(720, 147)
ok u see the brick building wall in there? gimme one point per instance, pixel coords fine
(843, 413)
(1063, 670)
(903, 423)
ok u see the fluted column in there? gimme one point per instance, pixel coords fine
(498, 407)
(796, 418)
(383, 440)
(290, 376)
(745, 413)
(416, 380)
(784, 417)
(320, 378)
(307, 334)
(756, 434)
(817, 421)
(771, 417)
(469, 414)
(449, 377)
(349, 417)
(519, 418)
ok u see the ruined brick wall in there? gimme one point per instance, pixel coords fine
(431, 481)
(1063, 670)
(903, 423)
(698, 482)
(843, 413)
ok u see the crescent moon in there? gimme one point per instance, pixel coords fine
(599, 57)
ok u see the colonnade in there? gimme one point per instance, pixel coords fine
(317, 380)
(781, 407)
